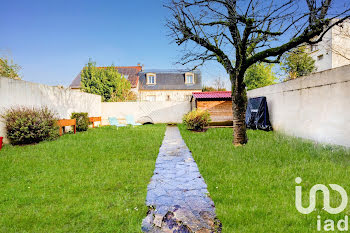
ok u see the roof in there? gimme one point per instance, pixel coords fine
(212, 95)
(170, 80)
(129, 72)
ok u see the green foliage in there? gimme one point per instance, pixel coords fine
(125, 95)
(30, 125)
(209, 88)
(298, 62)
(8, 69)
(218, 85)
(106, 81)
(131, 97)
(259, 75)
(197, 119)
(82, 119)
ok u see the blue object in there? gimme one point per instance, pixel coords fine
(257, 114)
(130, 121)
(114, 121)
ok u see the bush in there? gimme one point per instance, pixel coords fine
(26, 125)
(82, 120)
(197, 119)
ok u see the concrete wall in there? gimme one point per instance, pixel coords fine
(315, 107)
(156, 112)
(62, 101)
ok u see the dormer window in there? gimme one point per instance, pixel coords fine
(189, 78)
(151, 78)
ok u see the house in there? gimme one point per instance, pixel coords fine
(334, 50)
(157, 85)
(168, 85)
(129, 72)
(218, 104)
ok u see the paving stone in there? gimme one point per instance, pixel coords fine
(158, 219)
(177, 194)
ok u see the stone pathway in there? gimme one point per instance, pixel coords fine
(177, 195)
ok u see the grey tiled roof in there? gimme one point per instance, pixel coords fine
(170, 80)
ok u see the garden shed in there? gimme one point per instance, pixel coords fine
(218, 104)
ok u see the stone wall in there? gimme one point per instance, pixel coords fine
(315, 107)
(62, 101)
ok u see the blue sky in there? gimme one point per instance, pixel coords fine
(52, 40)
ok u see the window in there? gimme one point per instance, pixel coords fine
(320, 57)
(189, 78)
(151, 98)
(151, 79)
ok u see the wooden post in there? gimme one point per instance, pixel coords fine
(94, 119)
(67, 122)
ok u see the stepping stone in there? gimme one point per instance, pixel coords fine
(177, 195)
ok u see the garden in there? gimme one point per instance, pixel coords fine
(253, 187)
(96, 180)
(93, 181)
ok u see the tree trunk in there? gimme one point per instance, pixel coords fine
(239, 105)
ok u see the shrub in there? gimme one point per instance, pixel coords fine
(197, 119)
(25, 125)
(82, 120)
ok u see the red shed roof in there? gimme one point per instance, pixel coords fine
(212, 95)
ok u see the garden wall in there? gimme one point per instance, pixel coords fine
(155, 112)
(62, 101)
(315, 107)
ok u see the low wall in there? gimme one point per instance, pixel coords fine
(155, 112)
(315, 107)
(62, 101)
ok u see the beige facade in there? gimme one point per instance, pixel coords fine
(166, 95)
(334, 50)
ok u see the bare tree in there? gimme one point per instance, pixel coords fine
(239, 33)
(219, 84)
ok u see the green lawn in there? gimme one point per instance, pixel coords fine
(253, 186)
(94, 181)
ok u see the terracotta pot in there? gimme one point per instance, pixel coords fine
(1, 138)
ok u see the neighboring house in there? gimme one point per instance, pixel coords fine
(129, 72)
(218, 104)
(168, 85)
(334, 50)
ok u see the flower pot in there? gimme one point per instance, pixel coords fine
(1, 138)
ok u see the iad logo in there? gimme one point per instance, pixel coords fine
(328, 224)
(326, 200)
